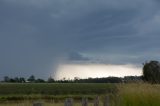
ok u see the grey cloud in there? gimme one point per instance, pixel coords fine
(75, 56)
(35, 35)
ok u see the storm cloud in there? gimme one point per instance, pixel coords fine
(37, 35)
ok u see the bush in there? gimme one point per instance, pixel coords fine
(151, 72)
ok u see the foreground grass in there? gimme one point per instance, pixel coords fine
(45, 104)
(139, 95)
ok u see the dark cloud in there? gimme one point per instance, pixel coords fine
(75, 56)
(36, 35)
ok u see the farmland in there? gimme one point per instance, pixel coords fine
(137, 94)
(17, 91)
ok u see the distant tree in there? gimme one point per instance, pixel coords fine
(151, 72)
(131, 79)
(99, 80)
(6, 79)
(39, 80)
(22, 80)
(12, 80)
(16, 79)
(50, 80)
(31, 78)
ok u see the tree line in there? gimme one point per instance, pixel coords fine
(151, 74)
(33, 79)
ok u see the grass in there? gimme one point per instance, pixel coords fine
(45, 104)
(56, 91)
(139, 95)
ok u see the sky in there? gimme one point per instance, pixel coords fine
(50, 37)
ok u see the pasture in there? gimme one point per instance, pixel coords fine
(137, 94)
(55, 91)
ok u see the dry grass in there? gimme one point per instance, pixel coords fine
(139, 95)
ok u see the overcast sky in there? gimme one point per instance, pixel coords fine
(38, 35)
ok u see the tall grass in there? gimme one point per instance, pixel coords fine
(139, 95)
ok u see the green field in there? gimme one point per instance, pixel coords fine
(47, 91)
(139, 94)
